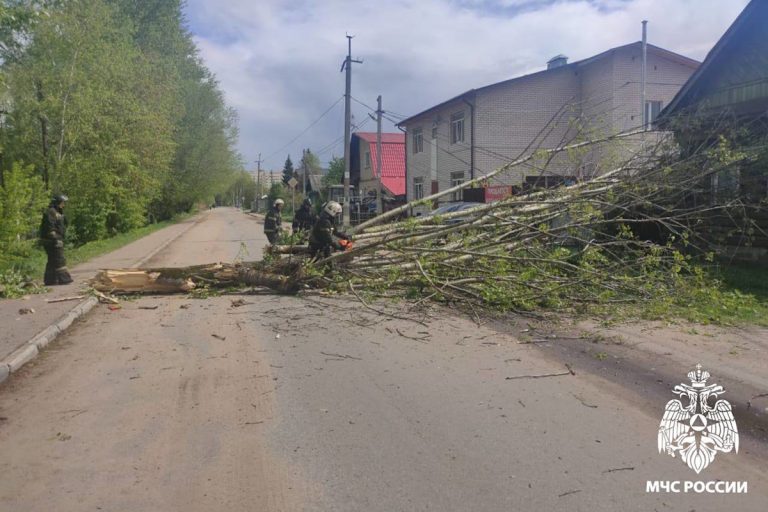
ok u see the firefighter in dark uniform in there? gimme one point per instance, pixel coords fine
(325, 235)
(273, 222)
(53, 229)
(304, 219)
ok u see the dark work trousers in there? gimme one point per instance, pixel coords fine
(320, 252)
(56, 269)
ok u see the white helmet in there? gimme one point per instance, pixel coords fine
(332, 208)
(278, 201)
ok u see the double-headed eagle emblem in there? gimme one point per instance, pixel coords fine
(698, 431)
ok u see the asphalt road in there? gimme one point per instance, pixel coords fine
(318, 403)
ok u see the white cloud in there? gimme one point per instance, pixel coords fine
(278, 61)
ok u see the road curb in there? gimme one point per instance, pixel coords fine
(29, 350)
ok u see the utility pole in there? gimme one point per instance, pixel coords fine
(643, 70)
(379, 112)
(258, 182)
(304, 181)
(347, 65)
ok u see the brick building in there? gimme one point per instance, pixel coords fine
(480, 130)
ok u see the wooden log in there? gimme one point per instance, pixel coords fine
(282, 276)
(140, 281)
(289, 249)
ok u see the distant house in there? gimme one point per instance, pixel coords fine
(482, 129)
(363, 162)
(734, 75)
(728, 96)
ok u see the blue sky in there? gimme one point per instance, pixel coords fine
(278, 61)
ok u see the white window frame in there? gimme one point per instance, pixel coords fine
(418, 188)
(457, 128)
(457, 178)
(417, 140)
(367, 159)
(649, 117)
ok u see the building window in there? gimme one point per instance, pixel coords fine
(652, 109)
(418, 141)
(418, 188)
(457, 128)
(457, 178)
(367, 159)
(434, 133)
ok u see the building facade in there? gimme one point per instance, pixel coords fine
(727, 100)
(363, 165)
(483, 129)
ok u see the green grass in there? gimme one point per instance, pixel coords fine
(34, 265)
(734, 294)
(748, 278)
(91, 250)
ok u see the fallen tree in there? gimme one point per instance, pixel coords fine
(627, 235)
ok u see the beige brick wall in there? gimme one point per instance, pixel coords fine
(663, 79)
(511, 117)
(598, 97)
(446, 157)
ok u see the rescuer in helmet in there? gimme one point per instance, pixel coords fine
(325, 235)
(273, 222)
(53, 228)
(304, 219)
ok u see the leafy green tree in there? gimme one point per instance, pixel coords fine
(335, 172)
(288, 171)
(110, 102)
(22, 198)
(310, 161)
(277, 191)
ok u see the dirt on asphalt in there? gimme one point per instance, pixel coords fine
(317, 403)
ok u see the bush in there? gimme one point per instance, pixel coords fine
(22, 199)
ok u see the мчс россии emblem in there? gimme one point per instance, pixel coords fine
(698, 431)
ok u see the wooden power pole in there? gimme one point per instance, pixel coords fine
(347, 66)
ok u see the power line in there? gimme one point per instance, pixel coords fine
(337, 141)
(363, 104)
(305, 130)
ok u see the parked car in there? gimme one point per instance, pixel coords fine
(451, 208)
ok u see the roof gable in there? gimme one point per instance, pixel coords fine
(571, 66)
(747, 32)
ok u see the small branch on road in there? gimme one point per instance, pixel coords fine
(352, 289)
(562, 374)
(569, 492)
(619, 469)
(422, 339)
(105, 299)
(584, 403)
(65, 299)
(340, 356)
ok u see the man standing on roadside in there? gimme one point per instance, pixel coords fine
(53, 229)
(273, 222)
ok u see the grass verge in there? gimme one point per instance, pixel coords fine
(14, 277)
(730, 295)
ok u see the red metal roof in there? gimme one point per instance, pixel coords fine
(386, 138)
(392, 159)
